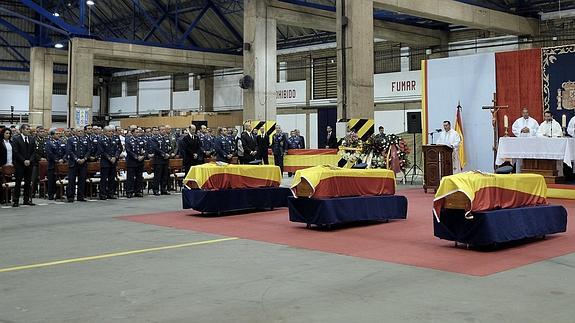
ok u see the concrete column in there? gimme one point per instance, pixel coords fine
(355, 58)
(81, 80)
(260, 61)
(207, 93)
(41, 83)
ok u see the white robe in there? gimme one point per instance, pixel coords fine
(571, 127)
(521, 123)
(545, 129)
(451, 138)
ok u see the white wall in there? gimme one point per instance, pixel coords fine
(14, 94)
(189, 100)
(154, 95)
(469, 80)
(227, 93)
(123, 105)
(312, 131)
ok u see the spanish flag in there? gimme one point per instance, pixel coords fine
(459, 130)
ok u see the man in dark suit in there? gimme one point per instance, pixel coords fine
(279, 147)
(263, 141)
(248, 143)
(331, 140)
(191, 148)
(24, 159)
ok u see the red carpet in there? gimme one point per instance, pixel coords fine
(409, 242)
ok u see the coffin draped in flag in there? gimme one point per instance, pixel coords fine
(212, 176)
(483, 192)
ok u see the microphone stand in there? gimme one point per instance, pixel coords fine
(431, 133)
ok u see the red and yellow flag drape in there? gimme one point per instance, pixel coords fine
(459, 130)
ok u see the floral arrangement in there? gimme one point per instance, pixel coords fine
(379, 146)
(352, 148)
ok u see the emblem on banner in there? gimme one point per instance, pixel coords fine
(566, 96)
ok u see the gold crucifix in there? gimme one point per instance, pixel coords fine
(494, 109)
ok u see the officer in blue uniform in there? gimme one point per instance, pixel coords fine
(55, 154)
(162, 150)
(135, 155)
(109, 153)
(294, 141)
(78, 151)
(223, 148)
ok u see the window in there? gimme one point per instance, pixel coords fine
(325, 78)
(387, 59)
(132, 88)
(181, 82)
(59, 88)
(115, 89)
(296, 70)
(196, 83)
(416, 55)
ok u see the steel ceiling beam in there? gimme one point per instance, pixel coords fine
(75, 30)
(193, 24)
(18, 31)
(226, 22)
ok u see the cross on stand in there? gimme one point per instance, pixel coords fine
(494, 109)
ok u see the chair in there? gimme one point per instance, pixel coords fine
(8, 181)
(148, 173)
(121, 175)
(91, 179)
(61, 178)
(43, 177)
(177, 174)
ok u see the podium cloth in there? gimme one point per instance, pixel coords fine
(304, 158)
(498, 226)
(330, 181)
(215, 177)
(536, 148)
(492, 191)
(225, 200)
(347, 209)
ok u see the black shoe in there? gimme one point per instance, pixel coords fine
(50, 198)
(81, 200)
(139, 195)
(28, 203)
(129, 195)
(15, 204)
(156, 194)
(71, 200)
(112, 197)
(166, 193)
(103, 198)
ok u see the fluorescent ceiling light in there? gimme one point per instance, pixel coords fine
(90, 3)
(59, 45)
(56, 14)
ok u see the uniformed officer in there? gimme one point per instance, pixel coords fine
(135, 155)
(208, 145)
(109, 152)
(223, 146)
(90, 132)
(294, 141)
(55, 153)
(162, 151)
(78, 151)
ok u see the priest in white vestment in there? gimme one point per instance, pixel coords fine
(525, 126)
(571, 127)
(451, 138)
(549, 127)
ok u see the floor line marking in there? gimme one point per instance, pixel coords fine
(110, 255)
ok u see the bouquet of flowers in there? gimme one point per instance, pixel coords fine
(351, 148)
(387, 151)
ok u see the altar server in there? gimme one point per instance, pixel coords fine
(549, 127)
(451, 138)
(525, 126)
(571, 127)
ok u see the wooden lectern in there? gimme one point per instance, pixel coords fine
(437, 162)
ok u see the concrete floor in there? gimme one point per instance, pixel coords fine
(240, 280)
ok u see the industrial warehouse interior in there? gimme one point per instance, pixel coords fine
(287, 160)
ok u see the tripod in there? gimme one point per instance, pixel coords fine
(413, 169)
